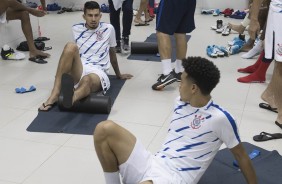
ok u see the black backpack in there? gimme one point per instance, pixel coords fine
(23, 46)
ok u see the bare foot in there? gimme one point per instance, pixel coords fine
(37, 13)
(238, 28)
(38, 53)
(139, 21)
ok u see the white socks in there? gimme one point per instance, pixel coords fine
(112, 177)
(246, 21)
(254, 51)
(178, 66)
(166, 63)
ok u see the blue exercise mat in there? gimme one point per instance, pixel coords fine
(56, 121)
(268, 166)
(154, 57)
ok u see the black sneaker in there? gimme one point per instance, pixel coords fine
(7, 53)
(125, 45)
(118, 47)
(164, 80)
(178, 76)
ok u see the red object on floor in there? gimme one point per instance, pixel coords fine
(227, 12)
(254, 67)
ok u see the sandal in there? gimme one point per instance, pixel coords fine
(264, 136)
(48, 105)
(38, 59)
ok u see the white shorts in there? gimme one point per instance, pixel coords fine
(273, 45)
(143, 166)
(88, 69)
(3, 18)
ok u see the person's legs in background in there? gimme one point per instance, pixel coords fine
(127, 8)
(142, 8)
(115, 21)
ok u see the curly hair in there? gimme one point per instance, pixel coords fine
(202, 72)
(90, 5)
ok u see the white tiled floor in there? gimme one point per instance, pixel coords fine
(38, 158)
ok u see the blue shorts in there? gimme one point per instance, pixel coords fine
(176, 16)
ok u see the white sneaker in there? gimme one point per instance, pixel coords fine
(226, 31)
(8, 53)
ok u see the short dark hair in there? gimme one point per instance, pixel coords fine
(202, 72)
(90, 5)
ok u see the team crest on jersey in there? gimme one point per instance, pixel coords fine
(196, 123)
(279, 50)
(99, 35)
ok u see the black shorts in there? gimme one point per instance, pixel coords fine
(176, 16)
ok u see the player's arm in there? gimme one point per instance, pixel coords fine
(245, 163)
(114, 62)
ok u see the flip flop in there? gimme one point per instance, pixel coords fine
(48, 105)
(146, 24)
(41, 39)
(264, 136)
(38, 59)
(67, 90)
(47, 48)
(278, 124)
(267, 107)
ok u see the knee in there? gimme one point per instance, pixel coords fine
(103, 130)
(70, 47)
(25, 16)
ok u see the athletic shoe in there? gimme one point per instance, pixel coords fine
(226, 31)
(216, 12)
(227, 12)
(178, 76)
(237, 40)
(164, 80)
(210, 11)
(118, 47)
(125, 45)
(224, 50)
(217, 51)
(8, 53)
(234, 49)
(211, 52)
(220, 30)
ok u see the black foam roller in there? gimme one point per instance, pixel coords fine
(144, 48)
(91, 104)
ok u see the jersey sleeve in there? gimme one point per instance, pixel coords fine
(112, 40)
(226, 130)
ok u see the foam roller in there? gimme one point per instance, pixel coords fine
(144, 48)
(91, 104)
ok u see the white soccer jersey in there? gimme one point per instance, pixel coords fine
(194, 137)
(276, 5)
(94, 44)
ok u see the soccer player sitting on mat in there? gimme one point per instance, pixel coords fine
(87, 61)
(197, 130)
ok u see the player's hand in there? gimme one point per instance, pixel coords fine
(37, 13)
